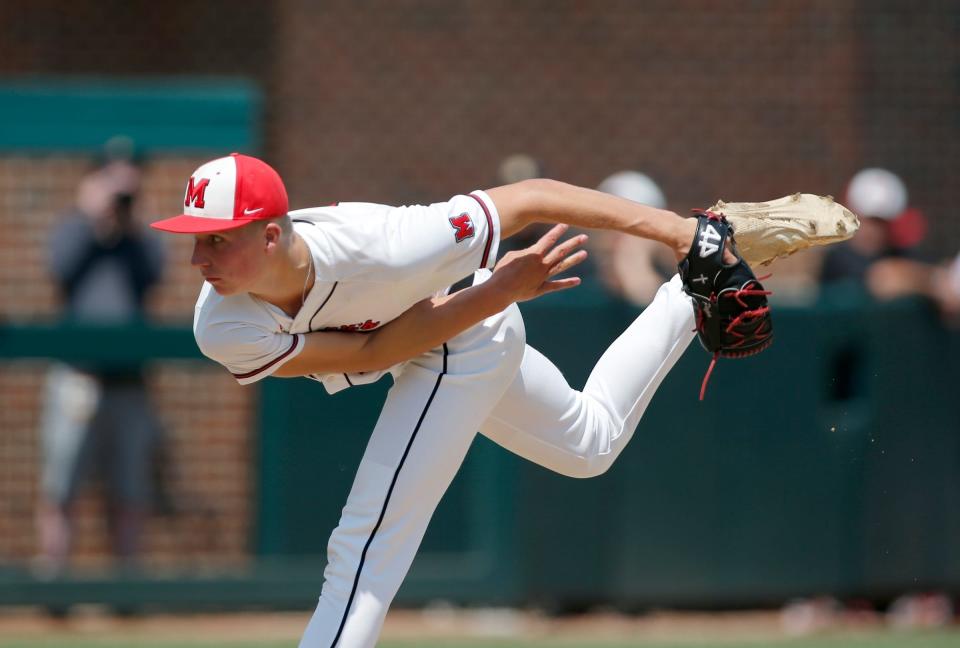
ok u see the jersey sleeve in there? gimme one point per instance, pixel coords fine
(447, 241)
(474, 220)
(248, 351)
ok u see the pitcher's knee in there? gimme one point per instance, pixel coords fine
(583, 465)
(597, 446)
(594, 466)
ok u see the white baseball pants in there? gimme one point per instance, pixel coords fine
(485, 379)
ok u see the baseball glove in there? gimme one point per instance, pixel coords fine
(730, 304)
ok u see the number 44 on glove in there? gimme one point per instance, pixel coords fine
(730, 304)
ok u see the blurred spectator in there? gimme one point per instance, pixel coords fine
(946, 290)
(880, 256)
(888, 231)
(921, 610)
(631, 267)
(98, 421)
(893, 278)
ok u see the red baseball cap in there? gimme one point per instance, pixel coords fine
(228, 192)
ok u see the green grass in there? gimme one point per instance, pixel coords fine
(938, 639)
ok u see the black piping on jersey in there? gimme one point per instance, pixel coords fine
(386, 501)
(310, 222)
(330, 294)
(244, 376)
(486, 248)
(320, 307)
(347, 378)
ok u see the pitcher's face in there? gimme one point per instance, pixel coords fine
(231, 261)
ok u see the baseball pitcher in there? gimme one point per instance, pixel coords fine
(344, 294)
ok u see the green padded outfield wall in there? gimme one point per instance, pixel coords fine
(830, 463)
(161, 115)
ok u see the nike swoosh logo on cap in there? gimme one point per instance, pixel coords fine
(247, 212)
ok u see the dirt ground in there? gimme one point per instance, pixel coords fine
(435, 622)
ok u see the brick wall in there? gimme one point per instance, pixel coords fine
(740, 100)
(206, 416)
(206, 419)
(400, 100)
(406, 100)
(35, 194)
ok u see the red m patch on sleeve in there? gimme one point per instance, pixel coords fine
(463, 225)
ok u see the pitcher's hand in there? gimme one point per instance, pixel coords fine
(526, 274)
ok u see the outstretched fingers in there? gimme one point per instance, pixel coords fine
(566, 282)
(560, 259)
(559, 284)
(548, 240)
(568, 262)
(527, 273)
(563, 256)
(559, 252)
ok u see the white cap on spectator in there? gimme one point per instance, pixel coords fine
(519, 166)
(877, 193)
(634, 186)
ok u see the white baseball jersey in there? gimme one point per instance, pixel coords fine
(372, 262)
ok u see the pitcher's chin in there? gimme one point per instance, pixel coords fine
(220, 286)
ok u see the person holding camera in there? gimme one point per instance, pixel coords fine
(98, 421)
